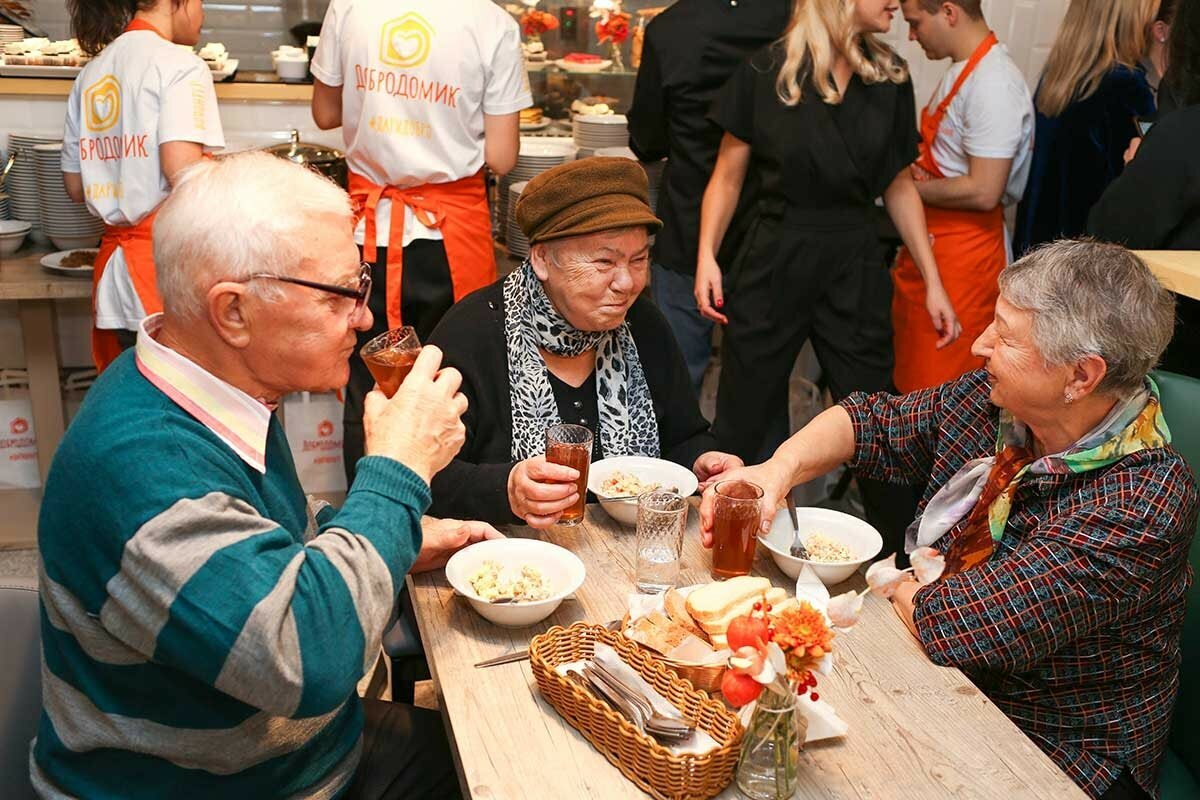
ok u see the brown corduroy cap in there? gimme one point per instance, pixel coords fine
(586, 196)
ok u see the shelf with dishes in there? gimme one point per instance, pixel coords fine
(44, 58)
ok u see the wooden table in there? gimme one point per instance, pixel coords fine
(1179, 270)
(916, 730)
(23, 281)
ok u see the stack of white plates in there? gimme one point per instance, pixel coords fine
(22, 183)
(11, 33)
(518, 245)
(654, 169)
(537, 155)
(597, 132)
(4, 212)
(68, 224)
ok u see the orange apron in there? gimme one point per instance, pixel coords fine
(137, 246)
(970, 253)
(458, 209)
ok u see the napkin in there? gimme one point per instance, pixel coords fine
(698, 743)
(823, 721)
(810, 588)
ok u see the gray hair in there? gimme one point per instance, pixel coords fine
(230, 218)
(1093, 298)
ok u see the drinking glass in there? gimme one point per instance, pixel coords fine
(737, 512)
(661, 517)
(571, 446)
(390, 357)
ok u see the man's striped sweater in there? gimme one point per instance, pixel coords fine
(203, 629)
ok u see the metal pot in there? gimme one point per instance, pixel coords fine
(322, 160)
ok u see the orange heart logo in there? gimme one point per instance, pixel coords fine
(406, 41)
(325, 429)
(19, 426)
(102, 104)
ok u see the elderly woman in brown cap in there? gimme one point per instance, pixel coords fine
(568, 338)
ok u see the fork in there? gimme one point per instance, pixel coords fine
(672, 726)
(798, 550)
(523, 655)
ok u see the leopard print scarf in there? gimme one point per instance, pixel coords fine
(627, 423)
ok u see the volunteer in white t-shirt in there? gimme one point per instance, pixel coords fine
(426, 94)
(977, 143)
(140, 111)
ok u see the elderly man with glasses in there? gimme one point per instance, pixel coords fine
(204, 625)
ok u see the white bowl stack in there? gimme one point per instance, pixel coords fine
(22, 183)
(11, 33)
(4, 207)
(518, 245)
(654, 169)
(538, 154)
(68, 224)
(596, 132)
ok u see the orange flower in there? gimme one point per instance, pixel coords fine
(804, 637)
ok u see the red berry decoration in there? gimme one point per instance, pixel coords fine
(746, 632)
(768, 608)
(758, 606)
(815, 697)
(739, 689)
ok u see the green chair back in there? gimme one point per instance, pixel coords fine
(1181, 404)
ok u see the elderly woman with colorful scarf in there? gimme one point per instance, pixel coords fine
(1062, 511)
(568, 338)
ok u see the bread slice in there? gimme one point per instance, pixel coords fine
(774, 596)
(713, 601)
(676, 608)
(658, 633)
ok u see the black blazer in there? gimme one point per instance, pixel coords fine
(471, 335)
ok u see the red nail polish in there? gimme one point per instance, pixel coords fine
(720, 304)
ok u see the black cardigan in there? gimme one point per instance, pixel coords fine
(471, 335)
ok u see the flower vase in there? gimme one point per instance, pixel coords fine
(618, 61)
(770, 758)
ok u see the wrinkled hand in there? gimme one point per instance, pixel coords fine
(708, 290)
(713, 465)
(539, 492)
(768, 475)
(919, 173)
(902, 604)
(421, 425)
(1131, 152)
(442, 538)
(941, 312)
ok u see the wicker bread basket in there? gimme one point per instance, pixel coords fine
(705, 677)
(640, 758)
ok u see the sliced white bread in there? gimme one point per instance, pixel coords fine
(713, 601)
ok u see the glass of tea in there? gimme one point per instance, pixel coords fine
(737, 513)
(571, 446)
(390, 357)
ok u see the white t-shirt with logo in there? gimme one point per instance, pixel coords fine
(138, 93)
(416, 80)
(990, 117)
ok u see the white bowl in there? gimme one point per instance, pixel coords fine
(653, 470)
(862, 540)
(12, 235)
(75, 242)
(291, 69)
(562, 569)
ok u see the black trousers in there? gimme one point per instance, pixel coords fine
(1125, 788)
(827, 282)
(425, 295)
(406, 755)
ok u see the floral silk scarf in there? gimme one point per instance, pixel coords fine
(985, 487)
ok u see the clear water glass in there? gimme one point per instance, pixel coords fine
(661, 519)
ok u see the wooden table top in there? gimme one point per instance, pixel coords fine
(1179, 270)
(916, 730)
(22, 278)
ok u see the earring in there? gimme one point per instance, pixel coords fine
(1069, 397)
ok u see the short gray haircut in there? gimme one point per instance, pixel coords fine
(1089, 298)
(230, 218)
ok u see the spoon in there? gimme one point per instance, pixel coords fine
(798, 550)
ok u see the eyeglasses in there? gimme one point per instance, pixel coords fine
(358, 294)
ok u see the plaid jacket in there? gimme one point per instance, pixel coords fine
(1072, 627)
